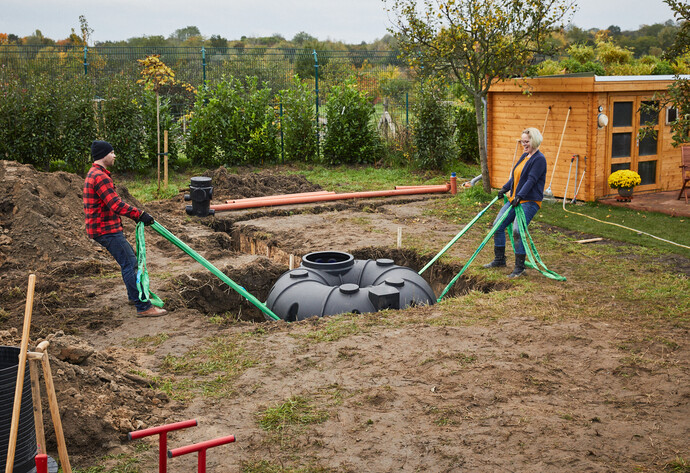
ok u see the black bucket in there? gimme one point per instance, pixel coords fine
(26, 435)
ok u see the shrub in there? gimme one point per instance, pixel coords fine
(46, 119)
(609, 54)
(233, 124)
(548, 68)
(662, 68)
(122, 122)
(581, 53)
(594, 67)
(298, 124)
(433, 129)
(466, 134)
(77, 125)
(351, 137)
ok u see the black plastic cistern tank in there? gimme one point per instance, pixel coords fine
(334, 282)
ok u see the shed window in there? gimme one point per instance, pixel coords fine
(619, 166)
(671, 115)
(648, 146)
(622, 114)
(647, 171)
(649, 114)
(620, 145)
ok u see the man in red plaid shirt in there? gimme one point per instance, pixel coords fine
(102, 209)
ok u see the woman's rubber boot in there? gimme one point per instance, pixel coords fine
(499, 258)
(519, 269)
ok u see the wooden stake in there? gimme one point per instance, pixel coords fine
(54, 410)
(165, 159)
(399, 237)
(34, 366)
(14, 428)
(589, 240)
(291, 266)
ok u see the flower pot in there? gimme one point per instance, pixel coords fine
(625, 194)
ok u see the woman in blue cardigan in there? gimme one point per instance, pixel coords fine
(530, 175)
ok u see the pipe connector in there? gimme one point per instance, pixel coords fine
(200, 193)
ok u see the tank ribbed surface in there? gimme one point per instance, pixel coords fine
(333, 282)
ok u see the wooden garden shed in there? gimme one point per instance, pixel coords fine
(595, 118)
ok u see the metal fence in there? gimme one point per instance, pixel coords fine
(381, 74)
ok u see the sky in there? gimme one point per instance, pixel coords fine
(350, 21)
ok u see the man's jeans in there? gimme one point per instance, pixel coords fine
(530, 209)
(118, 246)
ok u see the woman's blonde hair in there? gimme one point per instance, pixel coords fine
(535, 137)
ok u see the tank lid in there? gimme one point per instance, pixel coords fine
(395, 282)
(349, 288)
(328, 260)
(385, 262)
(299, 273)
(200, 181)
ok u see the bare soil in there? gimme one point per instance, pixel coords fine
(526, 375)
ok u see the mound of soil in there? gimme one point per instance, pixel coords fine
(236, 186)
(101, 400)
(42, 217)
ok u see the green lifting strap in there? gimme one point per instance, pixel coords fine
(142, 274)
(200, 259)
(530, 248)
(481, 245)
(457, 237)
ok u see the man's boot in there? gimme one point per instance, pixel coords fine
(499, 258)
(519, 266)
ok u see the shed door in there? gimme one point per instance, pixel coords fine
(627, 149)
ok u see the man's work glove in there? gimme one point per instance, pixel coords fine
(515, 202)
(146, 219)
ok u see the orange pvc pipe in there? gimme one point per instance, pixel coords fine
(431, 186)
(278, 196)
(330, 197)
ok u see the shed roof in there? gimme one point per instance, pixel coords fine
(581, 83)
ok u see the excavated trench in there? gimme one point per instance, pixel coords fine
(261, 260)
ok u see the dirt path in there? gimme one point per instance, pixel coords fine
(531, 375)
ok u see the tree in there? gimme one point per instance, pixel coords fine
(476, 43)
(681, 45)
(183, 34)
(677, 96)
(217, 41)
(86, 32)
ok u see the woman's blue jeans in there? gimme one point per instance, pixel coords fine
(118, 246)
(530, 209)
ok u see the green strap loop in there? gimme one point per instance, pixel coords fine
(142, 274)
(457, 237)
(200, 259)
(531, 249)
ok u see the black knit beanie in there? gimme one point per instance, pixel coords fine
(100, 149)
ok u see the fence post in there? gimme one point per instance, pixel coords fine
(282, 143)
(86, 64)
(316, 89)
(407, 108)
(203, 63)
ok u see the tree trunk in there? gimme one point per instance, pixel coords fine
(158, 137)
(481, 130)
